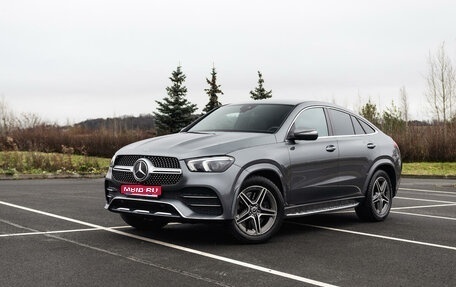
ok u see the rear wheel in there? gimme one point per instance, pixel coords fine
(258, 211)
(377, 204)
(143, 223)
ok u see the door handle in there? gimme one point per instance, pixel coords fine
(330, 148)
(371, 145)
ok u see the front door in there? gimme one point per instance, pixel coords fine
(314, 164)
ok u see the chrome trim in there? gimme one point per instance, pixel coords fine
(144, 212)
(152, 170)
(124, 168)
(205, 205)
(141, 211)
(199, 196)
(159, 213)
(163, 213)
(166, 170)
(306, 209)
(122, 209)
(334, 108)
(140, 200)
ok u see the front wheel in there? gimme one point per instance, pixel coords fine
(377, 204)
(143, 223)
(258, 211)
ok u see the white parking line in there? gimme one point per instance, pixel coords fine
(423, 206)
(425, 215)
(50, 232)
(425, 200)
(451, 193)
(177, 247)
(47, 232)
(378, 236)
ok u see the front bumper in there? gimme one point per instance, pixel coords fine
(196, 196)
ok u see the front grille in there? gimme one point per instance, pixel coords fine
(154, 179)
(157, 161)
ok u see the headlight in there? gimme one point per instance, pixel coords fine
(113, 160)
(210, 164)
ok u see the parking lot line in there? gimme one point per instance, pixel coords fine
(423, 206)
(426, 200)
(425, 215)
(49, 232)
(451, 193)
(177, 247)
(377, 236)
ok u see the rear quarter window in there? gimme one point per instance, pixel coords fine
(358, 128)
(367, 128)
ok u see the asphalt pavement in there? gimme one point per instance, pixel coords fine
(57, 233)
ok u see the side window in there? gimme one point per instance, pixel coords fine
(313, 119)
(358, 129)
(341, 123)
(367, 128)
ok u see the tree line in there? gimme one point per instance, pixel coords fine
(419, 141)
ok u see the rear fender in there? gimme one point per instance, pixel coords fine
(387, 165)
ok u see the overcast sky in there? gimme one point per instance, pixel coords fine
(68, 61)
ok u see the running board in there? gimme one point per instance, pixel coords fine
(308, 209)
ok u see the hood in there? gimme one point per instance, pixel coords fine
(188, 145)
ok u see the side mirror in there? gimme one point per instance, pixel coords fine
(304, 135)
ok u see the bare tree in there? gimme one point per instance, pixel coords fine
(6, 117)
(28, 120)
(404, 105)
(441, 85)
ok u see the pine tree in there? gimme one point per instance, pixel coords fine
(212, 92)
(392, 121)
(370, 113)
(175, 111)
(260, 93)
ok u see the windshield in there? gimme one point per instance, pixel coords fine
(260, 118)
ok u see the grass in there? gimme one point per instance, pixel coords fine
(14, 163)
(445, 169)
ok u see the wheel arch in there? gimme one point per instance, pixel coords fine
(388, 167)
(266, 170)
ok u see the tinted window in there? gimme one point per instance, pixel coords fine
(358, 129)
(341, 123)
(312, 119)
(367, 128)
(264, 118)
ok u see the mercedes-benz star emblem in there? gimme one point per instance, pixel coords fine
(141, 169)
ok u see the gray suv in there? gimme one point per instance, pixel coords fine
(253, 164)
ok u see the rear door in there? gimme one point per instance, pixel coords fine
(355, 151)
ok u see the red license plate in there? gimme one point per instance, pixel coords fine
(141, 190)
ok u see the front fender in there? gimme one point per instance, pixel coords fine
(260, 169)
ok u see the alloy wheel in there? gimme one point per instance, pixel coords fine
(256, 210)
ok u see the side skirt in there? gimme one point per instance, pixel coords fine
(312, 208)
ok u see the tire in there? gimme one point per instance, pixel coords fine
(258, 210)
(377, 204)
(143, 223)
